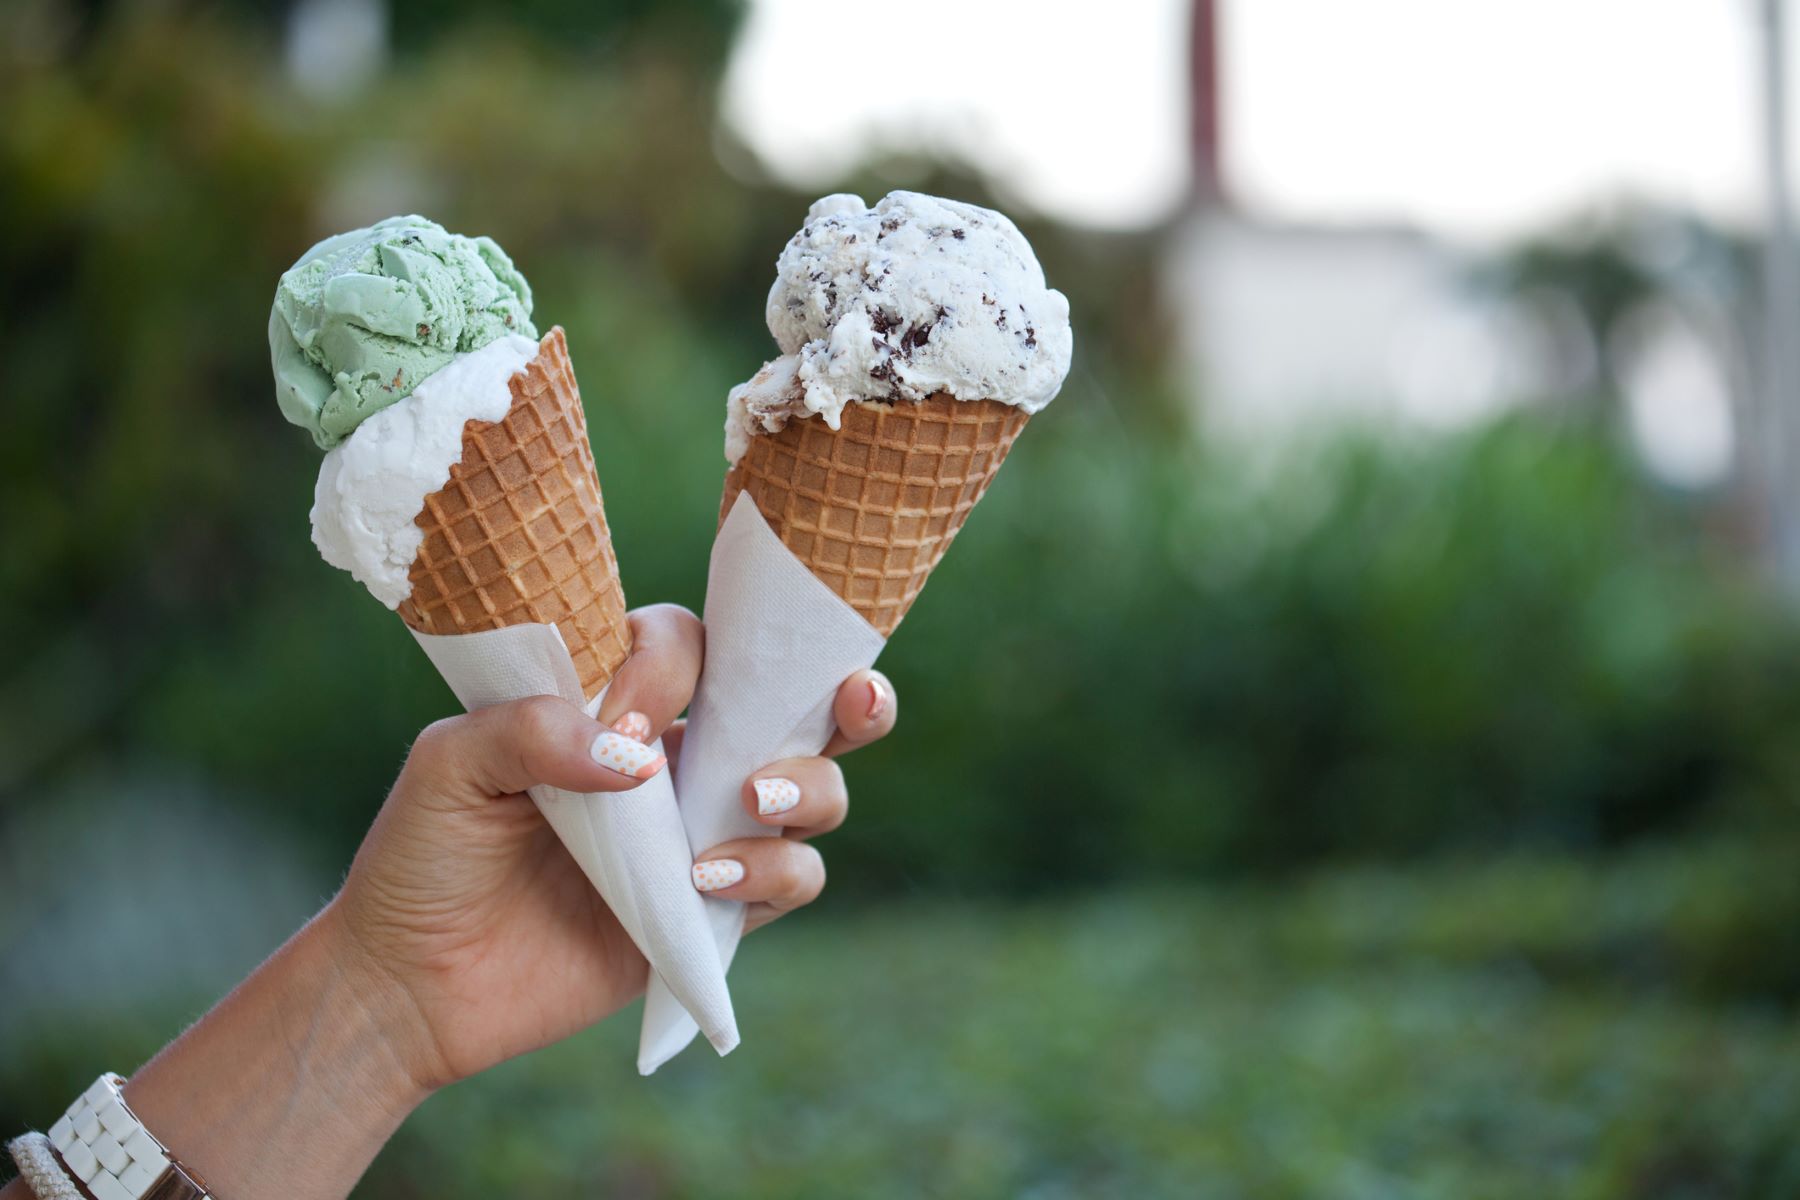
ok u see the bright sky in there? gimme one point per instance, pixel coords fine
(1476, 118)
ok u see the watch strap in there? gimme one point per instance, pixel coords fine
(103, 1144)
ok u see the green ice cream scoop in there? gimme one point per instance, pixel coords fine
(364, 317)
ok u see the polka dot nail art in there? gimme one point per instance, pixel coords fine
(634, 725)
(717, 873)
(775, 796)
(616, 752)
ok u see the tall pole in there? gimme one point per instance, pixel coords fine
(1781, 305)
(1203, 104)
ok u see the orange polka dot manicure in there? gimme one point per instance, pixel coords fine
(775, 796)
(627, 756)
(634, 725)
(716, 874)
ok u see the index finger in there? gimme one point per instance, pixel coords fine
(658, 679)
(865, 710)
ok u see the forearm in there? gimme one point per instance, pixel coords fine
(292, 1084)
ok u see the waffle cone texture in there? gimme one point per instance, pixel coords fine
(518, 535)
(871, 507)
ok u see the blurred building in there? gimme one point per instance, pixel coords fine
(1288, 326)
(1285, 326)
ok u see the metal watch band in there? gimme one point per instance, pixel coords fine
(103, 1144)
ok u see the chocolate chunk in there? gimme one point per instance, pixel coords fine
(915, 337)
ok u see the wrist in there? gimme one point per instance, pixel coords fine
(293, 1082)
(375, 999)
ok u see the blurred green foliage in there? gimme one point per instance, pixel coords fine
(1372, 1034)
(1149, 659)
(1144, 657)
(1511, 1027)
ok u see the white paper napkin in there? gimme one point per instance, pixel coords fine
(631, 845)
(778, 645)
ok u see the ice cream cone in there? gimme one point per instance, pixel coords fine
(855, 451)
(518, 535)
(871, 507)
(458, 486)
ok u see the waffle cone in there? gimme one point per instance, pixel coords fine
(871, 507)
(518, 535)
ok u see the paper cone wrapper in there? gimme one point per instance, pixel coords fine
(516, 593)
(825, 541)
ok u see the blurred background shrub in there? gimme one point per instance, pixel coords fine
(1426, 797)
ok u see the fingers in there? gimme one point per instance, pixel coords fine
(866, 709)
(804, 797)
(510, 747)
(672, 737)
(658, 679)
(772, 875)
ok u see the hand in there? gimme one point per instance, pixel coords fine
(464, 934)
(803, 797)
(462, 898)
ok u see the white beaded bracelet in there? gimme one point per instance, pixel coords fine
(101, 1142)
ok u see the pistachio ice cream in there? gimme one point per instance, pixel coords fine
(364, 317)
(400, 334)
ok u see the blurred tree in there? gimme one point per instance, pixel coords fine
(1374, 649)
(701, 28)
(1608, 265)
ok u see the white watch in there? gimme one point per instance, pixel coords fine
(103, 1144)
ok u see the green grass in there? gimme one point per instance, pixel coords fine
(1523, 1028)
(1546, 1025)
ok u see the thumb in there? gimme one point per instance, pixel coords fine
(540, 740)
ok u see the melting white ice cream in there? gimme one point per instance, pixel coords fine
(373, 485)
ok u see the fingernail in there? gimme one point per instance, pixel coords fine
(634, 725)
(627, 756)
(717, 873)
(775, 795)
(878, 699)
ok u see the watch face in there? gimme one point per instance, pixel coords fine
(175, 1185)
